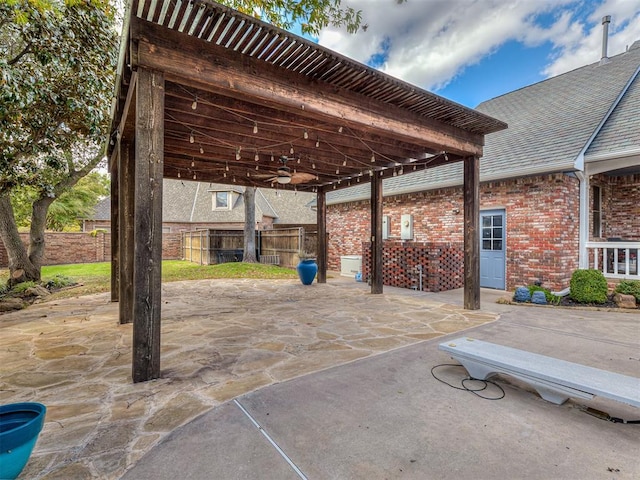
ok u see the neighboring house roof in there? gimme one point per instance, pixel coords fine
(551, 125)
(188, 201)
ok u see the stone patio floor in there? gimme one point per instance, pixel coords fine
(220, 339)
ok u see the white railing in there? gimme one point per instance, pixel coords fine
(615, 259)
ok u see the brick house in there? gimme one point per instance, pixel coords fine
(190, 205)
(560, 190)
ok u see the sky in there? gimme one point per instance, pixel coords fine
(470, 51)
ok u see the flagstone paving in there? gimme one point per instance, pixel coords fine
(220, 339)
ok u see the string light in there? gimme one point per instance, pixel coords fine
(298, 160)
(194, 105)
(256, 157)
(313, 166)
(201, 149)
(337, 171)
(344, 162)
(193, 163)
(395, 174)
(178, 174)
(257, 167)
(291, 149)
(340, 129)
(194, 175)
(373, 157)
(238, 156)
(272, 157)
(226, 166)
(318, 142)
(192, 139)
(255, 127)
(306, 134)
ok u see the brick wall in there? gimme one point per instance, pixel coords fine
(621, 215)
(542, 221)
(65, 248)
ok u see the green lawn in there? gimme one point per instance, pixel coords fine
(96, 277)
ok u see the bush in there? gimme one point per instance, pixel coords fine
(58, 281)
(588, 286)
(551, 298)
(629, 287)
(22, 287)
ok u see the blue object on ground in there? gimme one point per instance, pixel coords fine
(307, 270)
(539, 298)
(522, 294)
(358, 277)
(20, 425)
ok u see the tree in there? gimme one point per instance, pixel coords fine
(57, 59)
(311, 15)
(65, 212)
(249, 197)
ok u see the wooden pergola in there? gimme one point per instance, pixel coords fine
(206, 93)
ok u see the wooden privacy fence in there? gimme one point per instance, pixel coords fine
(279, 246)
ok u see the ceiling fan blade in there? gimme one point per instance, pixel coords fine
(302, 177)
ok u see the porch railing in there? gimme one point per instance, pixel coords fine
(615, 259)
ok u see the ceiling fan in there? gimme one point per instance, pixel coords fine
(283, 174)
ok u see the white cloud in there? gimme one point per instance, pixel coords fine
(430, 42)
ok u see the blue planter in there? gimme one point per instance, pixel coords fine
(20, 425)
(307, 270)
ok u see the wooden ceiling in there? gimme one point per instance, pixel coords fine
(241, 94)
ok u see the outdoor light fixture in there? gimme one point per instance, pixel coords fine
(283, 179)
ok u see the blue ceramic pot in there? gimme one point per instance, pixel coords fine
(307, 270)
(20, 425)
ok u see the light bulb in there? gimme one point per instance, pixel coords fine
(194, 105)
(255, 127)
(191, 138)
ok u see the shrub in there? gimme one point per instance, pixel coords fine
(588, 286)
(551, 298)
(21, 287)
(58, 281)
(629, 287)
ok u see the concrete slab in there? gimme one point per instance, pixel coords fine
(222, 443)
(387, 417)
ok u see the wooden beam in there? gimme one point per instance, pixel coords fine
(115, 231)
(471, 233)
(188, 60)
(126, 181)
(376, 234)
(148, 225)
(322, 235)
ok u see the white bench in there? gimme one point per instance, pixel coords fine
(555, 380)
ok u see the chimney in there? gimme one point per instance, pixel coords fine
(605, 38)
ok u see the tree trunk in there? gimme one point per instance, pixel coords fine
(36, 232)
(21, 268)
(249, 225)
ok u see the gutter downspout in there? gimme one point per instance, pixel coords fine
(584, 219)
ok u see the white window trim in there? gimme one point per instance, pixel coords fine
(214, 199)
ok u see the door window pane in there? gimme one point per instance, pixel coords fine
(492, 232)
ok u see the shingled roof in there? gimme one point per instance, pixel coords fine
(189, 201)
(552, 124)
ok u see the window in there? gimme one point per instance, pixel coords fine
(221, 201)
(596, 222)
(492, 232)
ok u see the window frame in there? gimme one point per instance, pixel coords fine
(596, 213)
(214, 200)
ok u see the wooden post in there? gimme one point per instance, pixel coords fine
(471, 233)
(322, 235)
(126, 180)
(148, 225)
(376, 233)
(115, 228)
